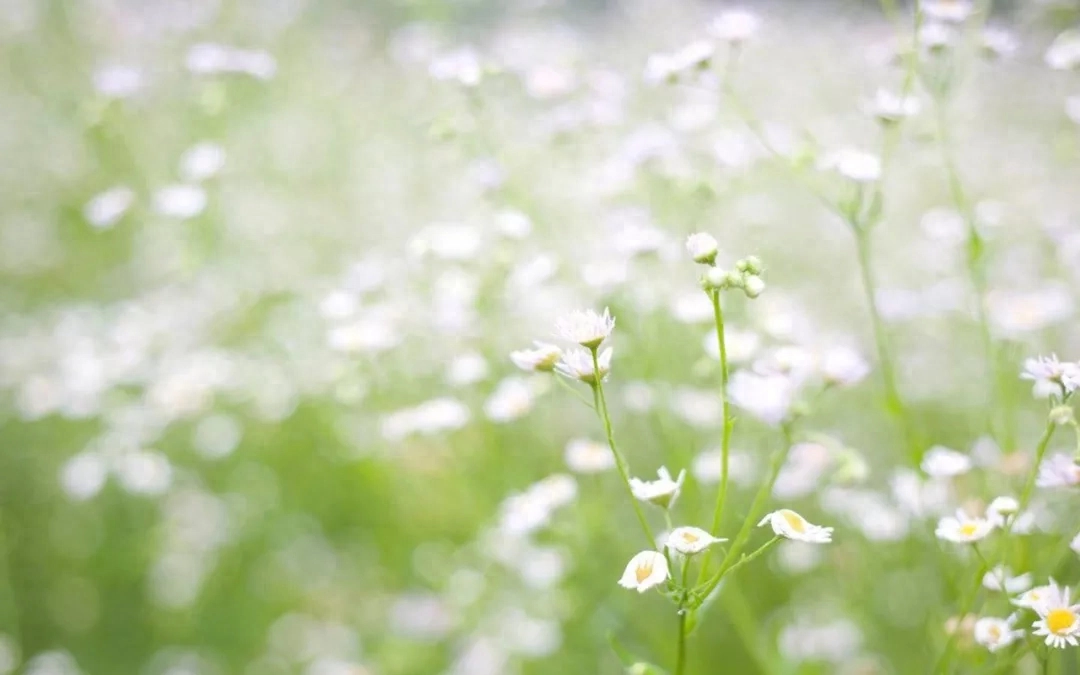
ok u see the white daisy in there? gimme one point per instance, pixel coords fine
(963, 529)
(578, 364)
(644, 571)
(1058, 621)
(1001, 509)
(843, 366)
(1050, 375)
(583, 455)
(1000, 579)
(662, 492)
(690, 540)
(702, 247)
(1058, 470)
(942, 462)
(1032, 597)
(587, 328)
(542, 358)
(994, 633)
(786, 523)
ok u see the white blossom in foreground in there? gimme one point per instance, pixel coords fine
(1058, 470)
(1058, 621)
(644, 571)
(583, 455)
(942, 462)
(963, 529)
(786, 523)
(702, 247)
(1000, 579)
(1040, 594)
(994, 633)
(690, 540)
(662, 492)
(587, 328)
(542, 358)
(578, 364)
(855, 165)
(1051, 376)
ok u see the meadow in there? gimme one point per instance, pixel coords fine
(537, 337)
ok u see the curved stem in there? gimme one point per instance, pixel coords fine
(620, 462)
(725, 443)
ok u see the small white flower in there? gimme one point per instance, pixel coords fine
(767, 397)
(201, 161)
(583, 455)
(890, 107)
(180, 201)
(587, 328)
(118, 81)
(855, 165)
(994, 633)
(1000, 579)
(644, 571)
(1064, 53)
(844, 367)
(735, 26)
(512, 398)
(1051, 593)
(963, 529)
(578, 364)
(1051, 376)
(1058, 621)
(952, 11)
(998, 42)
(107, 208)
(662, 492)
(1058, 470)
(542, 358)
(1001, 509)
(935, 35)
(786, 523)
(669, 67)
(942, 462)
(690, 540)
(462, 65)
(702, 247)
(1075, 545)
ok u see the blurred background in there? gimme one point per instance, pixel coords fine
(262, 265)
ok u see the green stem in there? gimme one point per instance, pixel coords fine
(680, 656)
(6, 579)
(950, 645)
(620, 462)
(746, 559)
(1029, 484)
(894, 403)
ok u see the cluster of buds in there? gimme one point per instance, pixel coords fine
(746, 275)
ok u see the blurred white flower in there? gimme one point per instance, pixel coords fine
(844, 366)
(735, 26)
(708, 466)
(466, 369)
(767, 397)
(430, 417)
(995, 634)
(853, 164)
(702, 247)
(963, 529)
(936, 35)
(577, 364)
(644, 571)
(942, 462)
(999, 42)
(108, 207)
(1000, 579)
(953, 11)
(1072, 108)
(662, 492)
(810, 639)
(790, 525)
(201, 161)
(584, 455)
(1064, 52)
(1059, 621)
(461, 65)
(802, 472)
(742, 345)
(1058, 470)
(1018, 313)
(512, 398)
(212, 59)
(180, 201)
(890, 107)
(513, 224)
(670, 66)
(1075, 545)
(1001, 508)
(587, 328)
(144, 472)
(543, 357)
(1051, 377)
(690, 540)
(118, 81)
(83, 476)
(1050, 593)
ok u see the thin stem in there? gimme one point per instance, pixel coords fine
(894, 403)
(620, 462)
(950, 645)
(742, 561)
(680, 656)
(1029, 485)
(6, 579)
(566, 385)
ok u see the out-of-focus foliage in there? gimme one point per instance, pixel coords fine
(262, 265)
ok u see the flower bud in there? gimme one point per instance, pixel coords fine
(1062, 415)
(752, 265)
(702, 248)
(714, 279)
(753, 286)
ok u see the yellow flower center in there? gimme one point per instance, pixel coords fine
(794, 521)
(690, 537)
(995, 632)
(968, 529)
(643, 571)
(1059, 621)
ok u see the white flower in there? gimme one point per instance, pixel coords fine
(702, 247)
(1058, 620)
(668, 67)
(1051, 376)
(578, 364)
(180, 201)
(690, 540)
(935, 35)
(1038, 595)
(855, 165)
(663, 492)
(844, 366)
(767, 397)
(587, 456)
(644, 571)
(462, 65)
(1000, 579)
(994, 633)
(942, 462)
(587, 328)
(890, 107)
(118, 81)
(542, 358)
(1001, 508)
(735, 26)
(201, 161)
(998, 42)
(1064, 53)
(512, 398)
(787, 523)
(107, 208)
(1058, 470)
(1075, 545)
(953, 11)
(963, 529)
